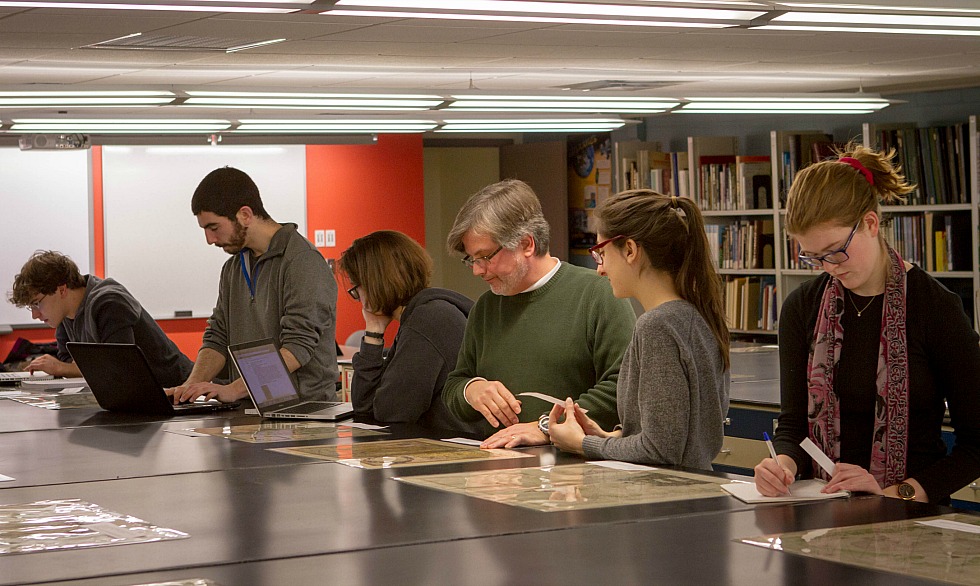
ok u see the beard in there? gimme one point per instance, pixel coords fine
(236, 243)
(511, 284)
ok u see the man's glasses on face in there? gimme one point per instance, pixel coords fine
(36, 304)
(481, 261)
(835, 257)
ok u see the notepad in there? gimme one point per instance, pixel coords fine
(801, 490)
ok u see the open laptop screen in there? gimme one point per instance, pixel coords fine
(265, 374)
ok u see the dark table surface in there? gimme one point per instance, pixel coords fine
(261, 517)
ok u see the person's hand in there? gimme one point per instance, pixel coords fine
(521, 434)
(187, 393)
(374, 322)
(494, 401)
(772, 477)
(49, 364)
(568, 435)
(588, 426)
(853, 478)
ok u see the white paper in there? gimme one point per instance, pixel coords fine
(818, 456)
(71, 390)
(463, 440)
(801, 490)
(364, 425)
(547, 398)
(5, 478)
(11, 393)
(954, 525)
(615, 465)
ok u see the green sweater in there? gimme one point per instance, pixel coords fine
(565, 339)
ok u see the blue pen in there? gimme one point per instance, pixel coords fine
(772, 450)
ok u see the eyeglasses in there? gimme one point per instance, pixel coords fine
(483, 261)
(596, 251)
(353, 293)
(36, 304)
(835, 257)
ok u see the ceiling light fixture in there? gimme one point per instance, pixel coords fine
(118, 126)
(52, 99)
(533, 125)
(190, 6)
(353, 102)
(784, 105)
(735, 14)
(334, 126)
(563, 103)
(868, 19)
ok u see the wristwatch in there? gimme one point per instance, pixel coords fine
(543, 422)
(906, 491)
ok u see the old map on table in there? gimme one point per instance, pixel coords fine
(285, 431)
(944, 548)
(56, 402)
(576, 486)
(400, 453)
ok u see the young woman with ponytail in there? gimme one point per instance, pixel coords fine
(872, 350)
(672, 393)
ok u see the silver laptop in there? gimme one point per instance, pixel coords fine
(272, 389)
(16, 377)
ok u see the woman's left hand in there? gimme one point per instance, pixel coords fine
(568, 434)
(853, 478)
(374, 322)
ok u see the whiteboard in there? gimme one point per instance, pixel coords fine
(153, 245)
(46, 202)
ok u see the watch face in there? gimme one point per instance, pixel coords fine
(906, 491)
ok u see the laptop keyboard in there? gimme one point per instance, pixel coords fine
(308, 407)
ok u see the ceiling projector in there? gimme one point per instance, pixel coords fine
(54, 142)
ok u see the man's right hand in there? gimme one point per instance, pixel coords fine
(494, 401)
(190, 392)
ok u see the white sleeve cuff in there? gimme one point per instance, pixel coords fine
(468, 383)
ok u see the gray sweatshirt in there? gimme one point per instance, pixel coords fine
(294, 303)
(110, 314)
(672, 395)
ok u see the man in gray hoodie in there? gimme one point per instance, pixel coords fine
(275, 285)
(90, 309)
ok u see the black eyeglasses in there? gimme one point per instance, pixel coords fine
(835, 257)
(353, 293)
(596, 251)
(483, 261)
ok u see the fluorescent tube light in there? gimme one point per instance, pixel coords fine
(533, 125)
(850, 29)
(552, 12)
(334, 126)
(388, 102)
(42, 99)
(902, 20)
(132, 6)
(784, 105)
(134, 126)
(872, 8)
(561, 104)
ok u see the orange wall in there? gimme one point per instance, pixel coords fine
(357, 189)
(353, 189)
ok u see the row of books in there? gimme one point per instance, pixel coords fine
(800, 150)
(732, 183)
(750, 303)
(935, 242)
(936, 159)
(746, 244)
(665, 173)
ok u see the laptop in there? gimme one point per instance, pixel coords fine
(10, 378)
(121, 380)
(272, 389)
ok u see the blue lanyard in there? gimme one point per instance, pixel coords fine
(248, 280)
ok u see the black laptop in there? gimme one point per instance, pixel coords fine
(121, 380)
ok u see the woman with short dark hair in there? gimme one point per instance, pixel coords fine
(389, 274)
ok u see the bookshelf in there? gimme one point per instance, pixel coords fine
(735, 222)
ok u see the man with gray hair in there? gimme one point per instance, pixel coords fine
(545, 326)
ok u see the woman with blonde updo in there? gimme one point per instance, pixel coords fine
(872, 350)
(672, 393)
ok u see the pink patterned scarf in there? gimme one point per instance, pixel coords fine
(890, 440)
